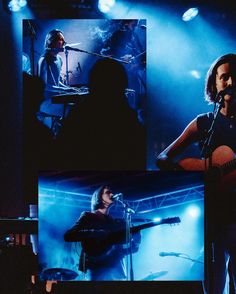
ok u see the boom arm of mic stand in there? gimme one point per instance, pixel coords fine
(191, 259)
(205, 149)
(126, 207)
(98, 55)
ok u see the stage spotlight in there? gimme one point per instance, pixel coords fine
(16, 5)
(193, 211)
(105, 5)
(157, 219)
(196, 74)
(190, 14)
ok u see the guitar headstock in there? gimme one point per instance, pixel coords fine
(171, 220)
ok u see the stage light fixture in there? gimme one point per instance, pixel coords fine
(105, 5)
(16, 5)
(190, 14)
(193, 211)
(157, 219)
(196, 74)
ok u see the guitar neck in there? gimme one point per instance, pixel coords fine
(172, 220)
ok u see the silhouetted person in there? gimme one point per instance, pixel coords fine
(103, 132)
(124, 43)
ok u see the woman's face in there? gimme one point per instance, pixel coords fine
(60, 41)
(225, 77)
(107, 197)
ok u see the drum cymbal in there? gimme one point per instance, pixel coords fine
(154, 276)
(58, 274)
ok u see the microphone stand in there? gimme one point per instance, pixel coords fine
(184, 256)
(128, 212)
(67, 67)
(206, 150)
(95, 54)
(207, 153)
(67, 48)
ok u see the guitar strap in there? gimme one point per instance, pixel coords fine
(210, 147)
(51, 73)
(204, 125)
(209, 161)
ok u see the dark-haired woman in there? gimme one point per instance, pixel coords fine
(221, 76)
(49, 71)
(102, 252)
(219, 162)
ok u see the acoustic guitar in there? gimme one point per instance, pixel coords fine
(223, 165)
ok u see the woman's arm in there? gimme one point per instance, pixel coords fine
(165, 160)
(83, 229)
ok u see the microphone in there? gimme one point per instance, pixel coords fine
(116, 196)
(227, 91)
(162, 254)
(54, 50)
(230, 90)
(71, 48)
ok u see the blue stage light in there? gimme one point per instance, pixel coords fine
(105, 5)
(193, 211)
(196, 74)
(190, 14)
(16, 5)
(157, 219)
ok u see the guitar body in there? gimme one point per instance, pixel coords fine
(223, 161)
(192, 164)
(220, 156)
